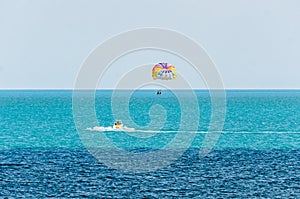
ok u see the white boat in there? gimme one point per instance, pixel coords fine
(118, 125)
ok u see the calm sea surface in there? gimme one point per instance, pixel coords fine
(257, 154)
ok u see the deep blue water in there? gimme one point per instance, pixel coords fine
(257, 154)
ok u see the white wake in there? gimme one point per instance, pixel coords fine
(102, 128)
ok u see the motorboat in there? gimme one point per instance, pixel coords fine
(118, 124)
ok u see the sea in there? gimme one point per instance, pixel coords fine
(49, 150)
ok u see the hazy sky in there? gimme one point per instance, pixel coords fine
(254, 43)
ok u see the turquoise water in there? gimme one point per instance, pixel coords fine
(254, 119)
(257, 154)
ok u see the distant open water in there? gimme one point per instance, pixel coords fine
(258, 154)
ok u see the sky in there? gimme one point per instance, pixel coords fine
(255, 44)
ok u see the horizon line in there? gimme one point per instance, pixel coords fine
(204, 89)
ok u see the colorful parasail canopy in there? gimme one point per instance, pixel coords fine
(164, 71)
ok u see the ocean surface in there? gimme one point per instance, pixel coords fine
(256, 156)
